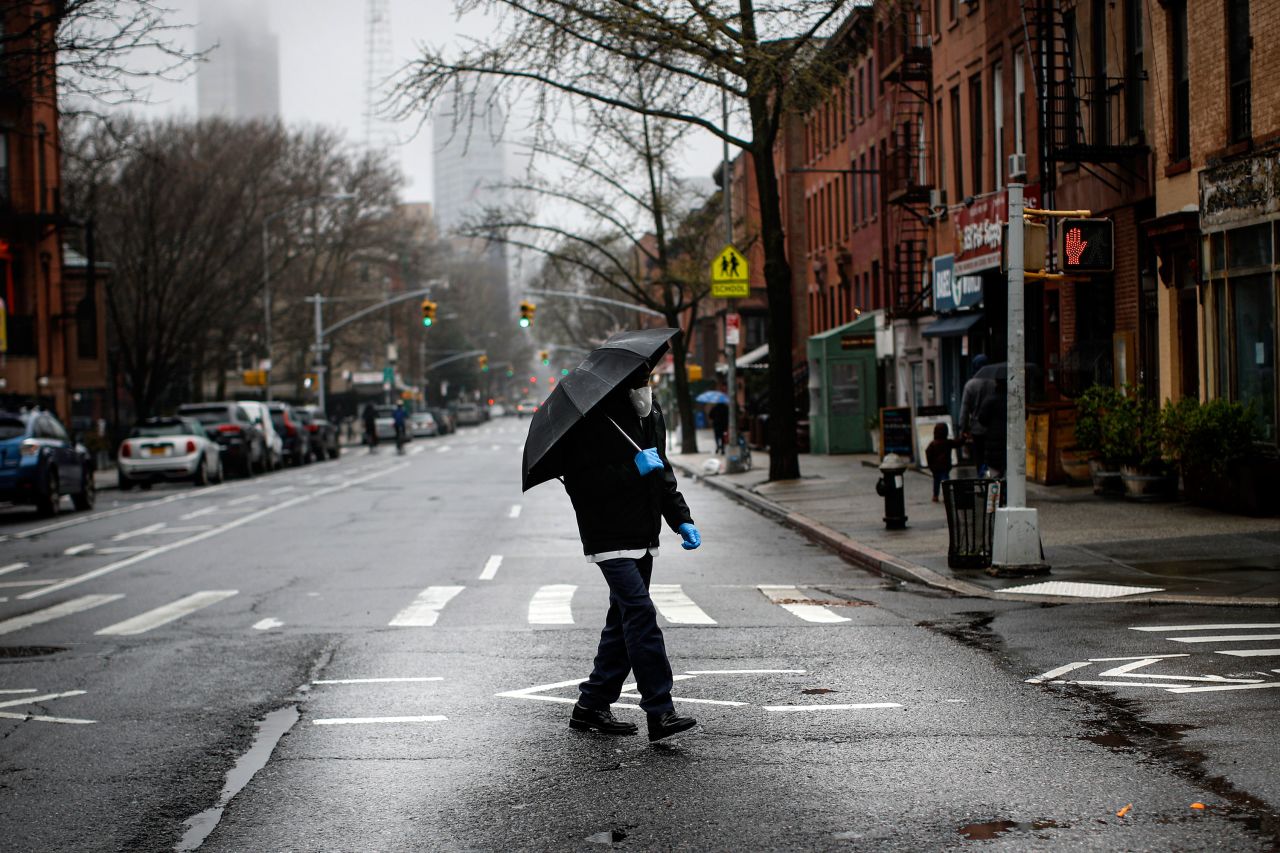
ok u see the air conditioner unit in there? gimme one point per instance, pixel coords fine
(937, 199)
(1017, 167)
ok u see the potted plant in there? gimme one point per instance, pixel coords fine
(1215, 445)
(1133, 439)
(1091, 408)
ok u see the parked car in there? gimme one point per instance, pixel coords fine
(526, 407)
(294, 437)
(39, 463)
(468, 414)
(423, 425)
(444, 419)
(244, 449)
(497, 410)
(261, 415)
(160, 449)
(325, 441)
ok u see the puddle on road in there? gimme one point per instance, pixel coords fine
(271, 728)
(993, 829)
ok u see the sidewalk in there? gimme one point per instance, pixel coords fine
(1168, 552)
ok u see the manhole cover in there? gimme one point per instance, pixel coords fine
(29, 651)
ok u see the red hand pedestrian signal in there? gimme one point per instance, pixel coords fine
(1075, 246)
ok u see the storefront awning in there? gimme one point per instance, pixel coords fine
(948, 327)
(757, 354)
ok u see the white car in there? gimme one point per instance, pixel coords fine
(423, 425)
(261, 416)
(165, 449)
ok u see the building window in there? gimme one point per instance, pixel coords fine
(42, 166)
(1180, 145)
(1135, 68)
(1239, 77)
(957, 144)
(1020, 102)
(862, 88)
(977, 117)
(1100, 119)
(5, 197)
(997, 119)
(940, 148)
(954, 10)
(875, 183)
(871, 85)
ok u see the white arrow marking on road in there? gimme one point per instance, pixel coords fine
(185, 606)
(444, 448)
(267, 624)
(676, 607)
(141, 531)
(1054, 673)
(354, 721)
(1268, 685)
(377, 680)
(42, 718)
(417, 450)
(535, 691)
(744, 671)
(205, 511)
(1251, 653)
(14, 584)
(21, 690)
(1179, 628)
(491, 568)
(425, 609)
(281, 490)
(244, 500)
(230, 525)
(856, 707)
(31, 700)
(786, 596)
(57, 611)
(12, 567)
(78, 549)
(1128, 669)
(1230, 638)
(515, 511)
(496, 447)
(551, 605)
(122, 549)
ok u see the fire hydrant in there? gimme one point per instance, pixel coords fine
(890, 487)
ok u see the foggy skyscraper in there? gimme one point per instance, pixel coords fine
(470, 158)
(240, 79)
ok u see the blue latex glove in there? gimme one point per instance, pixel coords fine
(648, 461)
(692, 538)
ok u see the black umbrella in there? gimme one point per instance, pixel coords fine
(607, 367)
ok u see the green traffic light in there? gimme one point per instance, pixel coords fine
(426, 321)
(524, 322)
(564, 371)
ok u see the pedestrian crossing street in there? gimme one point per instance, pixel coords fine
(549, 605)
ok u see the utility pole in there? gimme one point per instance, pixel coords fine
(317, 349)
(733, 461)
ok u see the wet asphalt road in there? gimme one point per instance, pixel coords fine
(903, 719)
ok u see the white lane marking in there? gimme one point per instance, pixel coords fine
(1226, 638)
(78, 549)
(1128, 669)
(786, 596)
(535, 691)
(20, 690)
(267, 624)
(1268, 685)
(425, 609)
(377, 680)
(42, 717)
(122, 549)
(744, 671)
(1179, 628)
(141, 531)
(84, 519)
(189, 528)
(676, 607)
(490, 570)
(281, 490)
(1057, 671)
(515, 511)
(15, 584)
(167, 613)
(783, 709)
(203, 511)
(417, 450)
(199, 537)
(1240, 653)
(693, 701)
(444, 448)
(48, 614)
(244, 500)
(552, 605)
(13, 567)
(31, 700)
(355, 721)
(496, 447)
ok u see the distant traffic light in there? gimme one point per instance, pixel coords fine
(428, 312)
(1088, 245)
(527, 309)
(545, 356)
(484, 363)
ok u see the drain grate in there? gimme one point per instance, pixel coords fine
(29, 651)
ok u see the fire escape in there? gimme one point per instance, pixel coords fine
(1087, 118)
(906, 71)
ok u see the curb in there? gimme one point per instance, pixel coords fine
(884, 563)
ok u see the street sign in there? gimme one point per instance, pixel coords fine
(729, 275)
(388, 375)
(1088, 245)
(732, 329)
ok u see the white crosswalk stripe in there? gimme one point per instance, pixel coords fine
(1221, 638)
(57, 611)
(425, 609)
(551, 605)
(185, 606)
(676, 607)
(793, 600)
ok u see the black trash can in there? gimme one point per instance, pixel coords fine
(971, 514)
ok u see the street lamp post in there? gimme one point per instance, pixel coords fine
(266, 269)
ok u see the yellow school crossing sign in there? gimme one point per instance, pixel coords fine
(729, 278)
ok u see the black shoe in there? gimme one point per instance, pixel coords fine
(587, 720)
(668, 724)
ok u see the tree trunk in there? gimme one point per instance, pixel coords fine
(680, 358)
(784, 462)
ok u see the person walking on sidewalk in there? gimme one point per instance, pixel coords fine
(938, 455)
(720, 424)
(620, 498)
(972, 428)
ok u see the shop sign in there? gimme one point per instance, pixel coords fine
(1240, 191)
(978, 235)
(952, 291)
(857, 341)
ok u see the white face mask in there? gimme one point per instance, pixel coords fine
(642, 400)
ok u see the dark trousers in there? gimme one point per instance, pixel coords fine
(630, 641)
(938, 478)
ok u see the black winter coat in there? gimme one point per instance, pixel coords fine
(617, 509)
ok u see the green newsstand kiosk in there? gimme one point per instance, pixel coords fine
(843, 392)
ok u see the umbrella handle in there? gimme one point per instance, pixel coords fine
(624, 434)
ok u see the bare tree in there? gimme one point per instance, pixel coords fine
(767, 58)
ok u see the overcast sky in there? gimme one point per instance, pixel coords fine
(322, 69)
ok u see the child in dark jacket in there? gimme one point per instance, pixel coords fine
(938, 457)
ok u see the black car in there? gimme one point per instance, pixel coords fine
(444, 419)
(243, 447)
(40, 462)
(324, 432)
(293, 432)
